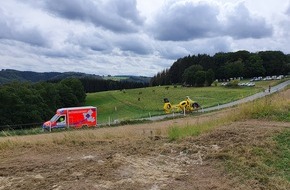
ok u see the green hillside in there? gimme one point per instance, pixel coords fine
(137, 103)
(9, 75)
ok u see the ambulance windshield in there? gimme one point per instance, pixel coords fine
(54, 118)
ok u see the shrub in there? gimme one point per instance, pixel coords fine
(233, 83)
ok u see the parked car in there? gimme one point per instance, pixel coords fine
(280, 77)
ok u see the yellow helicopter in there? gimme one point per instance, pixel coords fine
(186, 105)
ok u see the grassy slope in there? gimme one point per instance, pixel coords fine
(266, 161)
(274, 107)
(124, 105)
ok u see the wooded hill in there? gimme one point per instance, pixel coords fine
(9, 75)
(91, 83)
(202, 69)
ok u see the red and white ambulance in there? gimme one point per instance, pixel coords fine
(76, 117)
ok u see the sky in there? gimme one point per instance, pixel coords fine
(134, 37)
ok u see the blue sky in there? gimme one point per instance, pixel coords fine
(134, 37)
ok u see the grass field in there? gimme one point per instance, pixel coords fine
(143, 102)
(116, 78)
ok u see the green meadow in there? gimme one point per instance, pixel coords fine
(145, 102)
(115, 78)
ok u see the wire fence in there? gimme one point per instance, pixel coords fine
(20, 126)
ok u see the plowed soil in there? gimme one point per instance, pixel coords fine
(130, 157)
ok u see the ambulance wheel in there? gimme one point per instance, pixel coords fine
(85, 127)
(44, 130)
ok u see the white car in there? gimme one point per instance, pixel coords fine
(250, 84)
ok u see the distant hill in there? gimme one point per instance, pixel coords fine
(129, 78)
(10, 75)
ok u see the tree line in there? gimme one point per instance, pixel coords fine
(10, 75)
(98, 85)
(23, 104)
(203, 69)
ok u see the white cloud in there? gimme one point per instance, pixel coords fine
(186, 21)
(134, 36)
(241, 24)
(118, 16)
(14, 29)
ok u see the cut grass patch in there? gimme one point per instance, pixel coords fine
(266, 162)
(175, 133)
(282, 161)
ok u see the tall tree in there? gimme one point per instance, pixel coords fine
(200, 78)
(77, 89)
(234, 69)
(274, 62)
(189, 74)
(254, 67)
(209, 77)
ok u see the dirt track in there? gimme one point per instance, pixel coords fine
(126, 160)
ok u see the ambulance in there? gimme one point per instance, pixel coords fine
(75, 117)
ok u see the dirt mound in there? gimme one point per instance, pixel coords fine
(140, 160)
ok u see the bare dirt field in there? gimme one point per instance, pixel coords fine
(131, 157)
